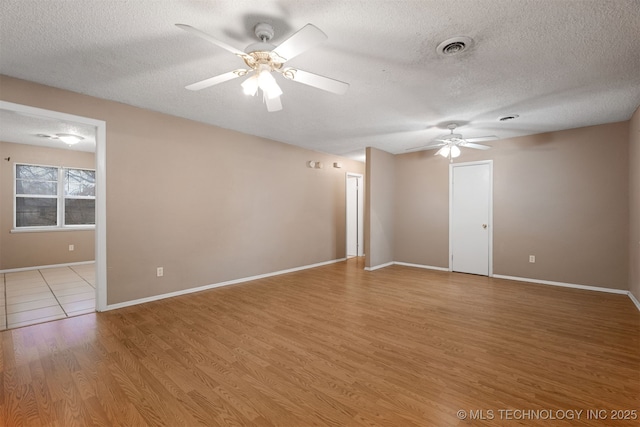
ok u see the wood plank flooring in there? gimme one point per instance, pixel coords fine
(334, 345)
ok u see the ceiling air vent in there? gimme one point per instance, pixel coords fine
(507, 118)
(454, 46)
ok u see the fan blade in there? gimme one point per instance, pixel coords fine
(425, 147)
(209, 38)
(481, 138)
(315, 80)
(301, 41)
(273, 104)
(476, 146)
(216, 80)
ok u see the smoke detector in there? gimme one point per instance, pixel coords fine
(454, 46)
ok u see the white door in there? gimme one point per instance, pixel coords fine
(355, 214)
(470, 218)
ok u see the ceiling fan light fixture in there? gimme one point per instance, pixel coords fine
(444, 151)
(263, 58)
(250, 86)
(449, 151)
(273, 92)
(268, 84)
(264, 81)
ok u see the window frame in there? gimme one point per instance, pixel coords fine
(60, 198)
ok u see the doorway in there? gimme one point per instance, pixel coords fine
(100, 186)
(355, 215)
(470, 217)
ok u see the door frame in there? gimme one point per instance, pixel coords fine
(360, 214)
(490, 220)
(101, 186)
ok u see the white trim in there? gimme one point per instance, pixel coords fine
(562, 284)
(490, 219)
(101, 193)
(634, 300)
(101, 215)
(52, 229)
(450, 252)
(523, 279)
(217, 285)
(574, 286)
(428, 267)
(377, 267)
(360, 214)
(42, 267)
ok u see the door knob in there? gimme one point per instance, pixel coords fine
(484, 225)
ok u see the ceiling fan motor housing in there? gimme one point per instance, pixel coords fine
(259, 47)
(264, 31)
(262, 52)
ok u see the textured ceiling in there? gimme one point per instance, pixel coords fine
(558, 64)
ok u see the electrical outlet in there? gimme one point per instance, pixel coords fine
(532, 259)
(71, 248)
(160, 271)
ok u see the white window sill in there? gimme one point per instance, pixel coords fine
(54, 229)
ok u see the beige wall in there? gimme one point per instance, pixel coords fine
(379, 208)
(207, 204)
(634, 204)
(211, 205)
(19, 250)
(561, 196)
(422, 210)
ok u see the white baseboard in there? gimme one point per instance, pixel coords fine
(572, 285)
(634, 300)
(406, 264)
(216, 285)
(377, 267)
(562, 284)
(41, 267)
(524, 279)
(291, 270)
(428, 267)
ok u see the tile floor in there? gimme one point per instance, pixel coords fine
(37, 296)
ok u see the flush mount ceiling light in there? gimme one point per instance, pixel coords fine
(69, 138)
(454, 46)
(264, 59)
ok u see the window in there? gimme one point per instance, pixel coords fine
(79, 197)
(54, 197)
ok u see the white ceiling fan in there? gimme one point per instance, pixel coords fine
(449, 145)
(263, 59)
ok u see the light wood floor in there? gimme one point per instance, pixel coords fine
(333, 345)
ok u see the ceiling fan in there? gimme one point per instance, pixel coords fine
(449, 145)
(263, 59)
